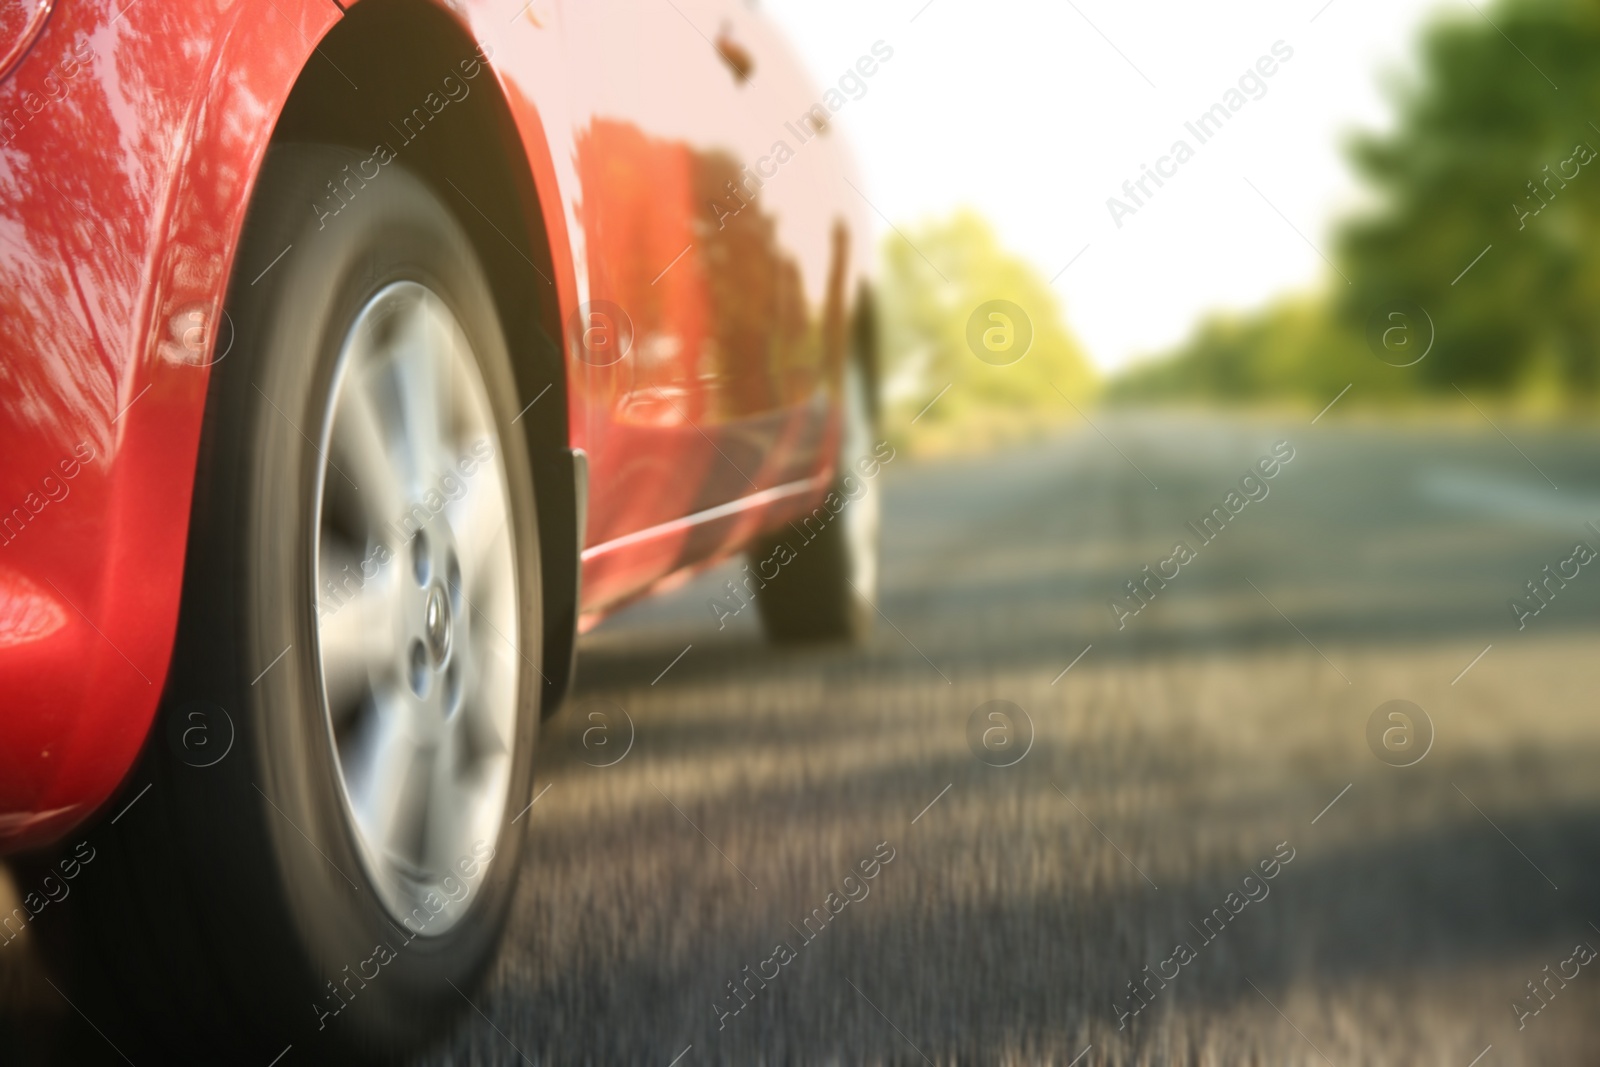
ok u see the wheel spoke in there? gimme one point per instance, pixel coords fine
(364, 434)
(468, 778)
(479, 521)
(490, 684)
(451, 813)
(355, 624)
(423, 393)
(389, 774)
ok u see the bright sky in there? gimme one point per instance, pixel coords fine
(1027, 111)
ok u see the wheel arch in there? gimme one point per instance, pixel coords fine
(380, 65)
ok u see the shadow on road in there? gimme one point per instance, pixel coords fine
(1178, 753)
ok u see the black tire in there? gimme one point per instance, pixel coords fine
(234, 904)
(824, 567)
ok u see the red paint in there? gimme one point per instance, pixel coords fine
(130, 136)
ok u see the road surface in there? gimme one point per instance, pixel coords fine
(1220, 734)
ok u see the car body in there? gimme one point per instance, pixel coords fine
(597, 151)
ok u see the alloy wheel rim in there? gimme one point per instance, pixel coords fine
(416, 594)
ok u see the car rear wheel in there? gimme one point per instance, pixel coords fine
(824, 567)
(361, 617)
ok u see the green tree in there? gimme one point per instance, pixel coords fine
(1488, 196)
(934, 282)
(1486, 155)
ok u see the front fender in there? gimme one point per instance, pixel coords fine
(130, 136)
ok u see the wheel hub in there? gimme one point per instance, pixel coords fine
(436, 625)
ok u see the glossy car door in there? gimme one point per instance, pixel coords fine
(697, 364)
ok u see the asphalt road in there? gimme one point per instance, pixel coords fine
(1222, 730)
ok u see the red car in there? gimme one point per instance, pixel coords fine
(354, 358)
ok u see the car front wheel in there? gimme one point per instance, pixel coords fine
(361, 617)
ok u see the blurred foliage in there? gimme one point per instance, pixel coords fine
(927, 304)
(1485, 151)
(1298, 347)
